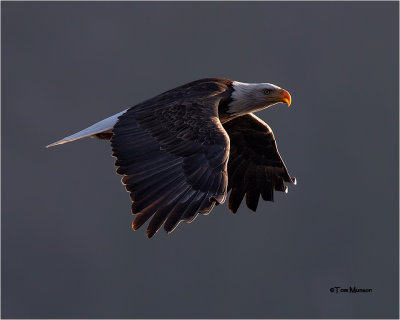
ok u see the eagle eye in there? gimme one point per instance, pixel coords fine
(266, 91)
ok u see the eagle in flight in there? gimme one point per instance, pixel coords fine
(182, 151)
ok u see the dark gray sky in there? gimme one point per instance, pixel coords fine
(68, 250)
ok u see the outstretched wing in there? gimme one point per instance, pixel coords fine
(172, 153)
(255, 166)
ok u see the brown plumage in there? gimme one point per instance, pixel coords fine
(182, 151)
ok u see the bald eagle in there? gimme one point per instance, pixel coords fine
(182, 151)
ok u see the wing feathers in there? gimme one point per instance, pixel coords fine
(255, 166)
(173, 156)
(237, 194)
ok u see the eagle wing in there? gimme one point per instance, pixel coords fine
(255, 166)
(173, 153)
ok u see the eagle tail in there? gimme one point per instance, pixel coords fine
(95, 130)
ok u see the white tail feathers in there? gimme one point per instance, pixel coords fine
(101, 126)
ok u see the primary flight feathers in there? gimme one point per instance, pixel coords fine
(180, 152)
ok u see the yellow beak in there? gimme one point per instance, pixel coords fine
(285, 97)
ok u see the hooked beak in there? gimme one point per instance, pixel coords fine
(285, 97)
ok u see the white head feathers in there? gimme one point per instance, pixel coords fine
(250, 97)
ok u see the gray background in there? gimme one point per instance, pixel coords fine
(67, 246)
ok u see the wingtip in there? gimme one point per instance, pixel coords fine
(151, 230)
(232, 210)
(150, 233)
(134, 226)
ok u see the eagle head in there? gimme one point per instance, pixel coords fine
(252, 97)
